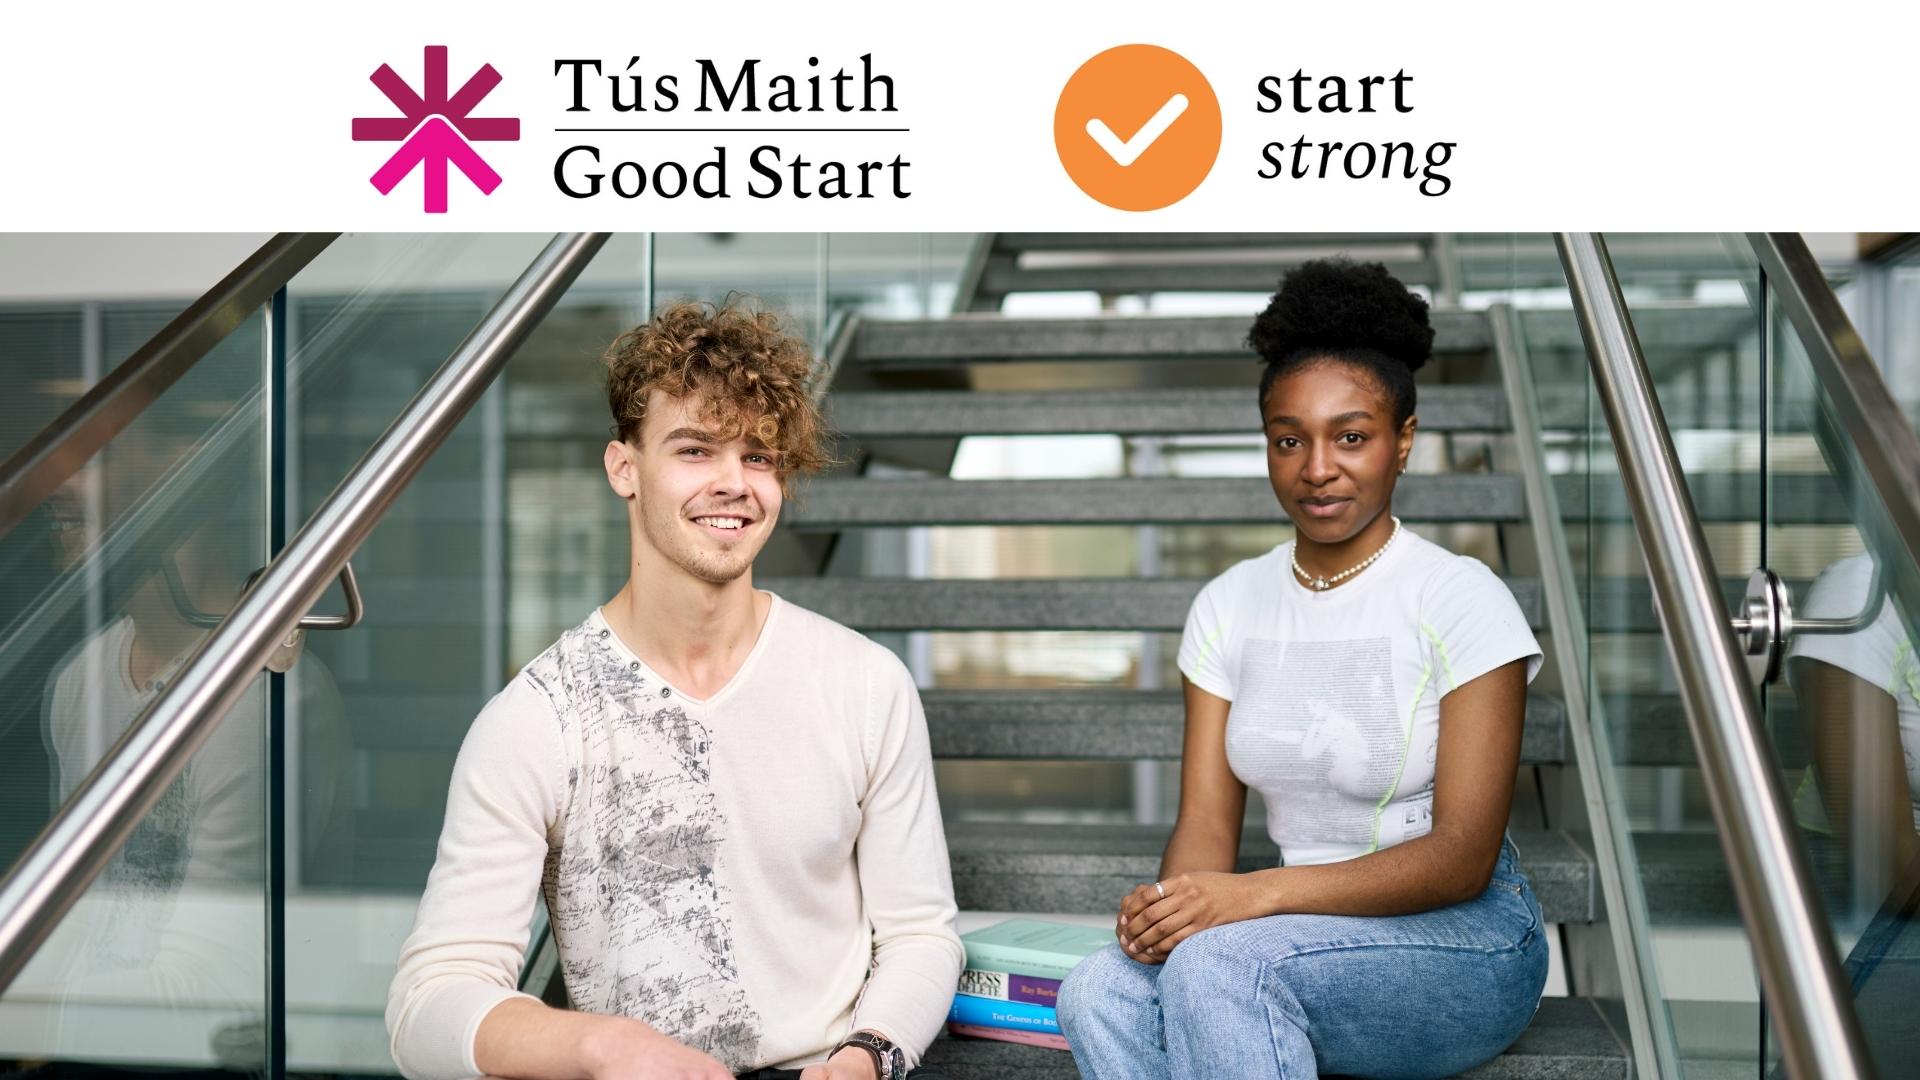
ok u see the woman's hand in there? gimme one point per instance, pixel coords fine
(1150, 926)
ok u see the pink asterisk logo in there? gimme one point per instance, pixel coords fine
(436, 129)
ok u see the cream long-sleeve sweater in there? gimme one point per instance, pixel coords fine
(756, 874)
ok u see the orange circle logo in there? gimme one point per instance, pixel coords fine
(1137, 127)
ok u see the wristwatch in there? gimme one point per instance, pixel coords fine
(889, 1059)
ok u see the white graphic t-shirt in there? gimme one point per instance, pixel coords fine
(1882, 654)
(1336, 694)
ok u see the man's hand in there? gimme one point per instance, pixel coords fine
(1150, 926)
(851, 1063)
(634, 1051)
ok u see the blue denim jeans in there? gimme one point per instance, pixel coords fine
(1293, 996)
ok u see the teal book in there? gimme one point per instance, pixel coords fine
(1033, 947)
(1014, 1015)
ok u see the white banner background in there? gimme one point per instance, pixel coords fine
(1652, 116)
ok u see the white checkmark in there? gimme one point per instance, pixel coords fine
(1128, 152)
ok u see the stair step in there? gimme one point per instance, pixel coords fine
(1685, 877)
(1133, 725)
(1615, 605)
(1663, 327)
(1086, 869)
(1312, 244)
(1651, 729)
(1794, 498)
(832, 503)
(988, 338)
(1122, 725)
(1625, 605)
(1003, 276)
(1170, 411)
(1025, 603)
(1568, 1040)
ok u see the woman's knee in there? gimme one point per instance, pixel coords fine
(1100, 981)
(1201, 964)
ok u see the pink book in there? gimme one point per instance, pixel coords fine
(1029, 1038)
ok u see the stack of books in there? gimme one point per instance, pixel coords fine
(1012, 981)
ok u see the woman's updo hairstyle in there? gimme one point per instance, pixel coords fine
(1335, 310)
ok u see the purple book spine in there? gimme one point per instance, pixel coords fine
(1033, 990)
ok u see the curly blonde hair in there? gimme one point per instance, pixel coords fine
(754, 378)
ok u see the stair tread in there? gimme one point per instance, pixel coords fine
(1004, 276)
(1164, 241)
(1568, 1040)
(1086, 868)
(835, 503)
(1163, 411)
(1111, 724)
(1121, 725)
(1664, 329)
(1025, 603)
(986, 338)
(1082, 868)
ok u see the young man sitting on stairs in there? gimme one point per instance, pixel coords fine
(727, 800)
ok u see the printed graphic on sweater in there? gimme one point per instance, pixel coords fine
(642, 920)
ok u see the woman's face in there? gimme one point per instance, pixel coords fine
(1333, 450)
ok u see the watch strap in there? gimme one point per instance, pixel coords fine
(889, 1062)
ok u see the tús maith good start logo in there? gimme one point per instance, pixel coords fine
(436, 129)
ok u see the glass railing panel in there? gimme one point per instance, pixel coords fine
(1844, 719)
(1882, 297)
(43, 365)
(64, 296)
(1898, 325)
(1693, 302)
(375, 714)
(1610, 960)
(108, 587)
(895, 275)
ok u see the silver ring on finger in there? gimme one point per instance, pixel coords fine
(1162, 890)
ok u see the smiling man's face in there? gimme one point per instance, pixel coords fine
(705, 504)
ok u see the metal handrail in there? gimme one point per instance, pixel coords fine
(1799, 969)
(95, 822)
(37, 469)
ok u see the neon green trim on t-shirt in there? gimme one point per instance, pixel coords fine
(1200, 660)
(1906, 671)
(1445, 661)
(1419, 689)
(1806, 803)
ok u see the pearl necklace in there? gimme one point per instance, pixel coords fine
(1320, 584)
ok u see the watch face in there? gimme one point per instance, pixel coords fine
(893, 1060)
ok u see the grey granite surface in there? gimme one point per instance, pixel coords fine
(1024, 604)
(1087, 868)
(1184, 410)
(973, 338)
(1122, 725)
(831, 504)
(1568, 1041)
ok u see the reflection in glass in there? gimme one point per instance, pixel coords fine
(1859, 800)
(163, 959)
